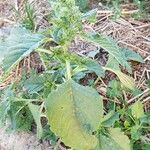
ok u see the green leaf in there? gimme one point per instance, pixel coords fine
(92, 65)
(110, 119)
(148, 81)
(29, 18)
(128, 55)
(19, 44)
(35, 110)
(112, 63)
(131, 55)
(108, 44)
(85, 62)
(126, 80)
(90, 16)
(136, 91)
(34, 84)
(137, 110)
(145, 118)
(83, 4)
(135, 134)
(20, 99)
(146, 147)
(114, 89)
(89, 64)
(116, 140)
(5, 103)
(93, 53)
(74, 112)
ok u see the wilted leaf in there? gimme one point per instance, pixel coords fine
(74, 112)
(127, 81)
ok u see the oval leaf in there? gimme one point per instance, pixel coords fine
(74, 112)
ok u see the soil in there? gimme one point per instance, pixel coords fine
(21, 141)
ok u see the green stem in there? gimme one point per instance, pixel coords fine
(44, 51)
(145, 127)
(68, 69)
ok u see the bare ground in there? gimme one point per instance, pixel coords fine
(21, 141)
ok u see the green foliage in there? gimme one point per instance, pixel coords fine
(114, 89)
(114, 140)
(142, 6)
(83, 62)
(136, 122)
(107, 44)
(90, 16)
(137, 110)
(110, 119)
(116, 54)
(35, 110)
(66, 23)
(131, 55)
(74, 112)
(77, 109)
(20, 117)
(28, 20)
(83, 4)
(15, 111)
(132, 120)
(127, 81)
(5, 104)
(34, 84)
(148, 81)
(19, 44)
